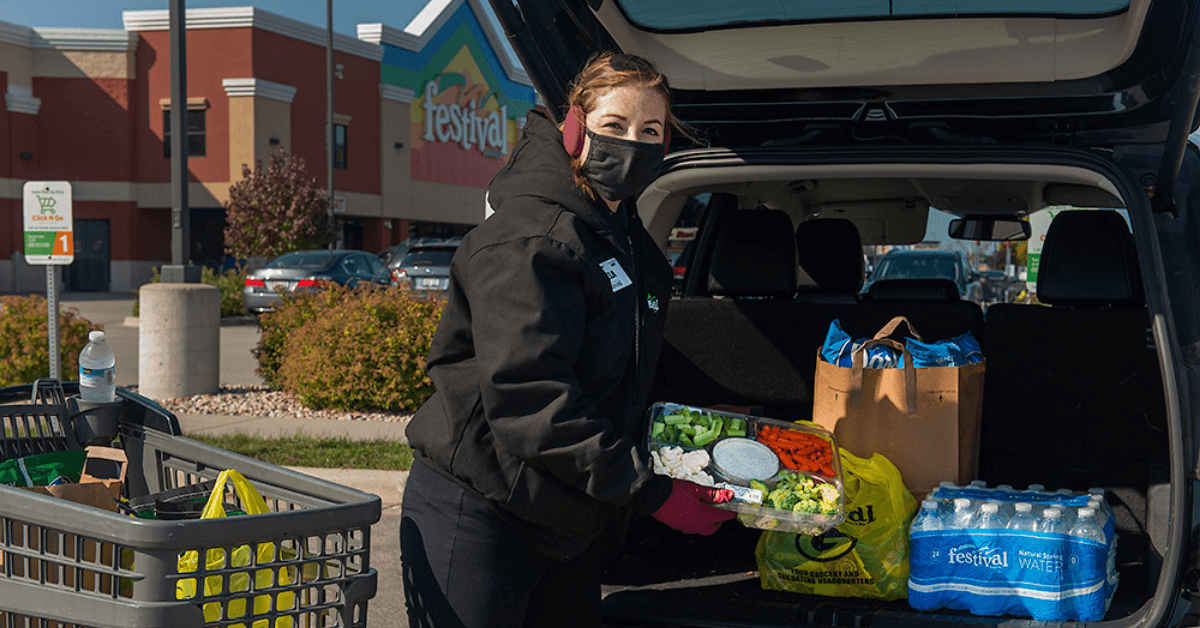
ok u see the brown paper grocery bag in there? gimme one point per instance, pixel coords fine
(926, 420)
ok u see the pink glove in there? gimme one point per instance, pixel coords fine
(689, 508)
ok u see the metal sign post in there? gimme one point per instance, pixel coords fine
(49, 241)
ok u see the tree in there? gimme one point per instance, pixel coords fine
(276, 209)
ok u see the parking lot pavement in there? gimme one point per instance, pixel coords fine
(114, 312)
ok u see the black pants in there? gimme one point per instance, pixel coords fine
(464, 567)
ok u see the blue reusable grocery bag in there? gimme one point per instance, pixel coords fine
(839, 350)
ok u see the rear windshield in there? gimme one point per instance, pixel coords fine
(694, 14)
(439, 257)
(917, 267)
(316, 259)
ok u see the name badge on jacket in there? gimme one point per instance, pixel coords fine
(615, 274)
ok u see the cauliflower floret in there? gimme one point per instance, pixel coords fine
(829, 493)
(674, 462)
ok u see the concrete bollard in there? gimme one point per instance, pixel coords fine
(179, 343)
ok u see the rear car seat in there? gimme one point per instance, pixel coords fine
(739, 345)
(1074, 396)
(831, 261)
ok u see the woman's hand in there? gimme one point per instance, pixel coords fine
(690, 508)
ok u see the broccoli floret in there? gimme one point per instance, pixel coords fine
(806, 506)
(783, 499)
(829, 508)
(755, 484)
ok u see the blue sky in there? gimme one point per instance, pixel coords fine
(347, 14)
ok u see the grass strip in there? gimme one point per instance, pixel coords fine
(316, 451)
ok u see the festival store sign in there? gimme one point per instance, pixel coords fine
(461, 133)
(48, 223)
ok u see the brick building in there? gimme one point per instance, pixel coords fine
(423, 117)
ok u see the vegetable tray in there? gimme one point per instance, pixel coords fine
(785, 476)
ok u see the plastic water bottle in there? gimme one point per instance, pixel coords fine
(961, 516)
(1086, 526)
(928, 518)
(1023, 519)
(988, 517)
(1052, 521)
(97, 370)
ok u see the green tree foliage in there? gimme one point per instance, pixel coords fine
(276, 209)
(25, 340)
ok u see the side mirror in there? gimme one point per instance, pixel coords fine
(1003, 228)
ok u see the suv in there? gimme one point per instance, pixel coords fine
(812, 118)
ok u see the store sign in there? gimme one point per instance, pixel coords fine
(49, 231)
(461, 130)
(465, 123)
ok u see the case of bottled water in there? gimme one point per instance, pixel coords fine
(1048, 555)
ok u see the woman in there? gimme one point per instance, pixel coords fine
(543, 363)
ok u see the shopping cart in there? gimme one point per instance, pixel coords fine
(65, 564)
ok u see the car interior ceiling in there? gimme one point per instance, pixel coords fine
(1060, 407)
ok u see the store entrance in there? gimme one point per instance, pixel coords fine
(90, 270)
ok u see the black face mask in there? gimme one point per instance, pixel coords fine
(618, 168)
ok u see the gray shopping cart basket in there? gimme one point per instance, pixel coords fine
(305, 563)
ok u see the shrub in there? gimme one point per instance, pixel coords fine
(229, 283)
(25, 340)
(365, 352)
(293, 311)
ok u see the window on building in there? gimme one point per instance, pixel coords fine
(197, 147)
(339, 146)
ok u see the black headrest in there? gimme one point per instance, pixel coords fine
(755, 255)
(1088, 259)
(913, 290)
(831, 257)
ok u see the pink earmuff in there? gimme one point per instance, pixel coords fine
(574, 126)
(573, 131)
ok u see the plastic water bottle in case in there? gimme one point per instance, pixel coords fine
(1023, 518)
(928, 518)
(97, 371)
(1052, 521)
(1086, 526)
(988, 517)
(961, 516)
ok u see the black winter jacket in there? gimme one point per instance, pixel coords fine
(545, 354)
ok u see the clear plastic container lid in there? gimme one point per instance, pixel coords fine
(744, 459)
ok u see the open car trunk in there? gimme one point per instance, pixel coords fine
(1075, 397)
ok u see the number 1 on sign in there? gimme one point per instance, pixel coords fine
(62, 243)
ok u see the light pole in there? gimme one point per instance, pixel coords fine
(329, 113)
(180, 270)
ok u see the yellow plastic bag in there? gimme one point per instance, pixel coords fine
(866, 556)
(185, 589)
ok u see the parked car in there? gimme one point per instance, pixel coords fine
(425, 268)
(927, 264)
(873, 113)
(393, 254)
(309, 270)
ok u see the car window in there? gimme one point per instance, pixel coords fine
(352, 265)
(376, 265)
(311, 260)
(666, 14)
(429, 257)
(917, 267)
